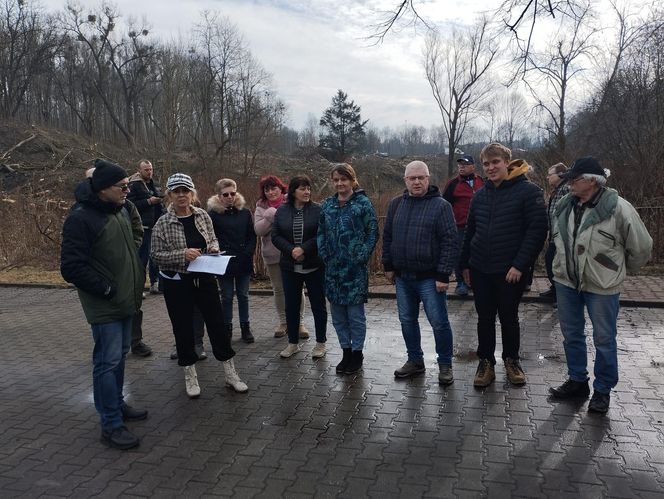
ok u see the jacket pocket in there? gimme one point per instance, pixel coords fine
(608, 236)
(606, 262)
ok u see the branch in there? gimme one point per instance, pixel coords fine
(25, 141)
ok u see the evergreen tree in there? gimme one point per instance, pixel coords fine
(343, 127)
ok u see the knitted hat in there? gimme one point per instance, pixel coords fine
(179, 180)
(106, 174)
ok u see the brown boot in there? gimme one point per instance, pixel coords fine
(485, 374)
(515, 374)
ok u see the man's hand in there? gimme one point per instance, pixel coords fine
(466, 276)
(390, 277)
(154, 200)
(513, 275)
(190, 254)
(441, 287)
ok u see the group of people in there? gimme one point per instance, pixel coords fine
(488, 231)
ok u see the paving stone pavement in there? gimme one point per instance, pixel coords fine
(303, 431)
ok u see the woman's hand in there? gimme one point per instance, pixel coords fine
(298, 254)
(190, 254)
(513, 275)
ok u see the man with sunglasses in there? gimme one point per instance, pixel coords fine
(99, 256)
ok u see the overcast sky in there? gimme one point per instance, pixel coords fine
(314, 47)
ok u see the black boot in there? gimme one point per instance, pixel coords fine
(345, 360)
(245, 329)
(355, 363)
(228, 329)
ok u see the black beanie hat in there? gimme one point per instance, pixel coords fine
(106, 174)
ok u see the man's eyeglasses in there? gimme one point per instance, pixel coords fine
(226, 194)
(123, 187)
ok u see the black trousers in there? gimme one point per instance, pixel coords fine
(548, 261)
(181, 296)
(493, 295)
(137, 328)
(293, 285)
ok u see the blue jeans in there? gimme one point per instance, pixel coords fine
(410, 292)
(603, 313)
(112, 341)
(351, 325)
(238, 285)
(144, 256)
(293, 285)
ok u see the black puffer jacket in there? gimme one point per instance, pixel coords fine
(507, 225)
(282, 235)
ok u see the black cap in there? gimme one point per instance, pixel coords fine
(106, 174)
(466, 158)
(583, 166)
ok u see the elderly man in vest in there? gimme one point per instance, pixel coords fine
(598, 237)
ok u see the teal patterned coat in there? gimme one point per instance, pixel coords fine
(347, 236)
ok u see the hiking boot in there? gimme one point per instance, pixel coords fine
(410, 369)
(290, 350)
(303, 332)
(191, 382)
(355, 364)
(571, 389)
(131, 414)
(318, 352)
(154, 289)
(232, 378)
(141, 350)
(345, 360)
(280, 332)
(461, 289)
(445, 375)
(599, 402)
(200, 351)
(485, 374)
(515, 374)
(245, 330)
(119, 438)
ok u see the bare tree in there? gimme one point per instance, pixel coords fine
(553, 72)
(513, 113)
(457, 71)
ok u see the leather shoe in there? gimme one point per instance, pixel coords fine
(131, 414)
(119, 438)
(571, 389)
(599, 402)
(141, 349)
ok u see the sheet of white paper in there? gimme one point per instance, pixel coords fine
(210, 264)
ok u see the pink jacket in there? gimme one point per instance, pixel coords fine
(263, 219)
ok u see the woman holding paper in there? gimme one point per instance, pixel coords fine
(180, 236)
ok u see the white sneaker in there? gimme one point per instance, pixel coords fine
(232, 378)
(191, 381)
(318, 352)
(303, 332)
(291, 349)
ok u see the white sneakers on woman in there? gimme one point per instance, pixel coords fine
(318, 352)
(290, 350)
(191, 382)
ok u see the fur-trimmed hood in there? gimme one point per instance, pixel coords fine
(215, 204)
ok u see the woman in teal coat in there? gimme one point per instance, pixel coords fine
(347, 235)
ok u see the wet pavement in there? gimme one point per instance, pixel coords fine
(303, 431)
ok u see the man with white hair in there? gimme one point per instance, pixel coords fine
(420, 251)
(598, 237)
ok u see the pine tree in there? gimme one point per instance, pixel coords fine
(344, 128)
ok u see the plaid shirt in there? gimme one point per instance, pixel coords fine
(169, 243)
(557, 194)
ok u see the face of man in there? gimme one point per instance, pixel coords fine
(115, 194)
(417, 181)
(465, 168)
(582, 188)
(145, 170)
(495, 168)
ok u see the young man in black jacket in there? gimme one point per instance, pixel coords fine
(506, 230)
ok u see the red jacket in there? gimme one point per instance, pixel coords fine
(459, 193)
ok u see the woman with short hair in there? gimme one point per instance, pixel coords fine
(180, 236)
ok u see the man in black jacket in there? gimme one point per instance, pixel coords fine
(99, 257)
(145, 194)
(505, 233)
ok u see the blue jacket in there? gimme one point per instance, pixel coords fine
(420, 236)
(347, 236)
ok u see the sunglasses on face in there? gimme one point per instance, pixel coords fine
(122, 187)
(226, 194)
